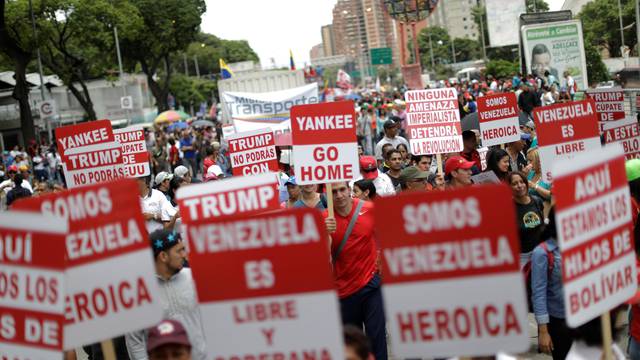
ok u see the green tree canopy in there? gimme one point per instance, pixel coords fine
(209, 48)
(601, 25)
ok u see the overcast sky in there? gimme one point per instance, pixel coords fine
(272, 27)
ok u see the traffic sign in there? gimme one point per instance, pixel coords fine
(47, 108)
(381, 56)
(126, 102)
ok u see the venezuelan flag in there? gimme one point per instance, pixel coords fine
(292, 65)
(225, 71)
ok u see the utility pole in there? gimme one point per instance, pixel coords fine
(35, 37)
(195, 60)
(186, 65)
(621, 32)
(122, 80)
(433, 63)
(484, 47)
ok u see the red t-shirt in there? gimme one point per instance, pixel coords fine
(474, 157)
(206, 164)
(356, 263)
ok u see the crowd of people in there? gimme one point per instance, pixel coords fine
(386, 167)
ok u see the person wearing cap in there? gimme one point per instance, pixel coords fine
(517, 160)
(390, 136)
(177, 295)
(354, 255)
(8, 184)
(294, 193)
(413, 179)
(470, 149)
(162, 183)
(168, 341)
(530, 128)
(369, 171)
(157, 210)
(457, 170)
(214, 172)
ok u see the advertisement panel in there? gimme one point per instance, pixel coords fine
(501, 15)
(556, 47)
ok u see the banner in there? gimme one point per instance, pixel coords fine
(254, 111)
(324, 142)
(452, 279)
(501, 21)
(32, 288)
(626, 133)
(498, 116)
(264, 279)
(565, 130)
(595, 233)
(412, 75)
(556, 47)
(111, 284)
(433, 121)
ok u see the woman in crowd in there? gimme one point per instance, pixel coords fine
(554, 337)
(537, 186)
(364, 189)
(498, 162)
(406, 155)
(529, 212)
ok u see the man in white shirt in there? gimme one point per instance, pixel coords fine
(390, 137)
(157, 210)
(369, 171)
(8, 184)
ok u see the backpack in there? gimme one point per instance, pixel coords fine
(526, 270)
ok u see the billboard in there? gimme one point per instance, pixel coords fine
(503, 31)
(557, 47)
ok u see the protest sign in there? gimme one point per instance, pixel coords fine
(83, 134)
(625, 132)
(111, 286)
(453, 244)
(594, 222)
(565, 130)
(263, 279)
(135, 156)
(31, 285)
(433, 121)
(252, 152)
(609, 103)
(93, 164)
(246, 195)
(324, 142)
(485, 177)
(498, 117)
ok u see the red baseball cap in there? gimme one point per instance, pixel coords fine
(167, 332)
(455, 163)
(368, 167)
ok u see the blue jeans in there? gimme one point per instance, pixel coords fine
(365, 307)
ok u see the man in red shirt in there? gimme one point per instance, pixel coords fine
(470, 151)
(354, 254)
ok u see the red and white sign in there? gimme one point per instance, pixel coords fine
(134, 151)
(433, 121)
(453, 244)
(31, 285)
(324, 142)
(93, 164)
(83, 134)
(595, 233)
(498, 117)
(625, 132)
(246, 195)
(248, 274)
(609, 103)
(111, 286)
(565, 130)
(252, 152)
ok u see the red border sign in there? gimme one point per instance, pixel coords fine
(252, 152)
(498, 118)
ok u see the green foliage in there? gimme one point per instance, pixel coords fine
(191, 90)
(501, 68)
(467, 49)
(601, 26)
(596, 69)
(441, 43)
(537, 6)
(209, 48)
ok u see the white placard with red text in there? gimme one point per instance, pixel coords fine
(31, 285)
(93, 164)
(252, 152)
(324, 142)
(609, 104)
(595, 233)
(625, 132)
(244, 195)
(83, 134)
(498, 118)
(134, 151)
(264, 279)
(111, 286)
(433, 121)
(565, 130)
(455, 245)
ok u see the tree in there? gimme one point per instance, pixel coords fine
(596, 69)
(440, 42)
(537, 6)
(601, 25)
(209, 48)
(189, 90)
(501, 69)
(16, 44)
(467, 49)
(169, 26)
(79, 41)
